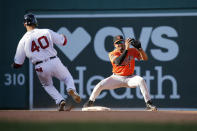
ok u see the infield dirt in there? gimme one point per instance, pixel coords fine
(100, 116)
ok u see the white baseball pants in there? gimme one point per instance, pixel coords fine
(54, 68)
(116, 81)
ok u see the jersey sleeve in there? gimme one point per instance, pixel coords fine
(58, 38)
(20, 53)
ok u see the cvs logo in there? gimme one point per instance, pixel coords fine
(161, 37)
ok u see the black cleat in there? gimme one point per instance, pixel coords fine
(88, 104)
(150, 106)
(62, 105)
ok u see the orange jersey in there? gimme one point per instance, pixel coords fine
(128, 65)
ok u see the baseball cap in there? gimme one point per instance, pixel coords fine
(118, 39)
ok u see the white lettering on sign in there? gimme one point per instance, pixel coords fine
(14, 79)
(159, 79)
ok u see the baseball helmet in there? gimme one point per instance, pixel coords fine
(30, 19)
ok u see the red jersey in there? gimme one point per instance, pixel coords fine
(128, 65)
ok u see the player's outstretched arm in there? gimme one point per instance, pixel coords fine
(57, 38)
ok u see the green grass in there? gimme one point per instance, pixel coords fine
(50, 126)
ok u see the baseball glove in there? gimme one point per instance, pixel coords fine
(136, 44)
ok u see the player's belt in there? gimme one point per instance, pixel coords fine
(121, 76)
(44, 60)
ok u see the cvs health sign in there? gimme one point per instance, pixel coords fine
(90, 39)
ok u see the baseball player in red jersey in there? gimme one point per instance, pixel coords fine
(123, 61)
(37, 45)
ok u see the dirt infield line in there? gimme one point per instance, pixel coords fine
(100, 116)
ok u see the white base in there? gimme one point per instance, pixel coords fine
(96, 108)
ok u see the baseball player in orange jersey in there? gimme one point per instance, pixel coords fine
(37, 45)
(123, 61)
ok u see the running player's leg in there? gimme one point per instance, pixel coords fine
(47, 83)
(62, 73)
